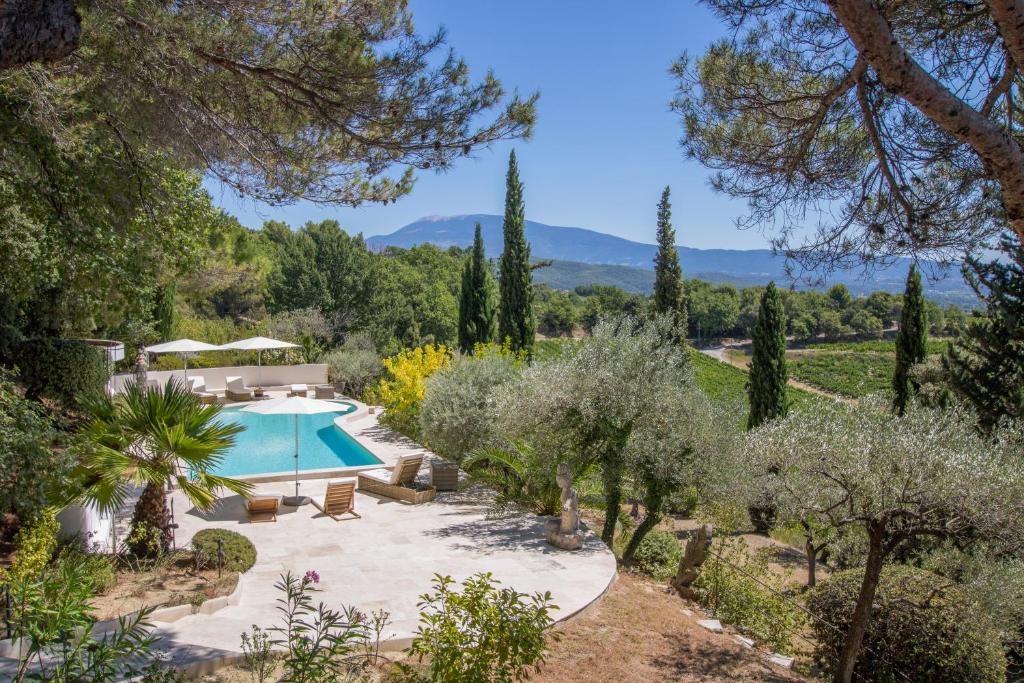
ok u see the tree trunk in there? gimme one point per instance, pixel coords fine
(862, 612)
(37, 30)
(151, 511)
(612, 475)
(871, 34)
(650, 521)
(812, 563)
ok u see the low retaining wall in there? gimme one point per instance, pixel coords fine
(13, 649)
(269, 376)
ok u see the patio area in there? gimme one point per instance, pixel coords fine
(385, 560)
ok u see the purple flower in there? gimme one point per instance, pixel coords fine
(311, 577)
(358, 617)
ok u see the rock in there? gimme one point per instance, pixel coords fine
(713, 625)
(781, 660)
(745, 642)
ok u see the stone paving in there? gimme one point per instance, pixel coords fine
(386, 559)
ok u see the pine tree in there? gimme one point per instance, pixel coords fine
(669, 298)
(911, 341)
(515, 317)
(768, 376)
(986, 364)
(476, 302)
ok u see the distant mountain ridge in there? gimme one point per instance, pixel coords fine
(583, 246)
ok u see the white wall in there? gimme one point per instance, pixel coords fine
(270, 376)
(93, 528)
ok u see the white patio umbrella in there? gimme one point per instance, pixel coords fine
(184, 347)
(294, 405)
(259, 344)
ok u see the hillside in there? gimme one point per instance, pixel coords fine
(585, 257)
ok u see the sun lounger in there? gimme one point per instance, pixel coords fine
(263, 507)
(339, 499)
(197, 385)
(299, 390)
(324, 391)
(236, 389)
(397, 482)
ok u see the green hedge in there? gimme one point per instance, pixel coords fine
(922, 628)
(239, 552)
(658, 554)
(60, 369)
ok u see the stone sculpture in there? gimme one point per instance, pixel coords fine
(565, 532)
(694, 555)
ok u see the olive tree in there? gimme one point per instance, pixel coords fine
(583, 405)
(684, 438)
(897, 478)
(459, 408)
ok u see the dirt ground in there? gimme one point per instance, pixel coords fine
(638, 632)
(176, 582)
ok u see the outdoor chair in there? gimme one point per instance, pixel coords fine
(339, 499)
(324, 391)
(263, 507)
(197, 385)
(398, 482)
(236, 390)
(299, 390)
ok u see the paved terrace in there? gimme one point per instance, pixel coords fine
(385, 560)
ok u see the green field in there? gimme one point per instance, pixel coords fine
(849, 373)
(935, 346)
(722, 381)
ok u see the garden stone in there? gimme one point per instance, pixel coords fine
(565, 532)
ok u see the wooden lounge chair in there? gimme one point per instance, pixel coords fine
(299, 390)
(397, 482)
(236, 390)
(324, 391)
(262, 507)
(339, 499)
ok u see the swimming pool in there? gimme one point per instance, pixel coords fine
(268, 443)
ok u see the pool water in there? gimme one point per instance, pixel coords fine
(268, 443)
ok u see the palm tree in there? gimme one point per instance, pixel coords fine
(150, 438)
(520, 474)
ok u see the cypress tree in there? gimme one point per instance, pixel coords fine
(515, 317)
(911, 341)
(768, 376)
(669, 298)
(163, 311)
(986, 364)
(476, 303)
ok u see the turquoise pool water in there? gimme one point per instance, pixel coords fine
(268, 443)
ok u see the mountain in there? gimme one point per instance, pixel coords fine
(585, 256)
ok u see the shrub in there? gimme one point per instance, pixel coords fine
(658, 554)
(30, 467)
(239, 552)
(35, 546)
(402, 388)
(99, 569)
(923, 628)
(732, 585)
(60, 369)
(353, 370)
(459, 410)
(483, 633)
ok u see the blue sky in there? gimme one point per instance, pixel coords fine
(605, 143)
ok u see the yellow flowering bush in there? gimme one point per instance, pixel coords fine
(402, 388)
(35, 544)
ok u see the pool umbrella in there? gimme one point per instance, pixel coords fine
(184, 347)
(293, 405)
(258, 344)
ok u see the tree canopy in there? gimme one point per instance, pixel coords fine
(895, 126)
